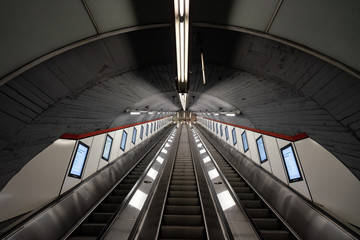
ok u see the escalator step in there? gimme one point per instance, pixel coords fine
(183, 210)
(259, 213)
(252, 203)
(182, 232)
(183, 220)
(230, 175)
(267, 223)
(175, 182)
(132, 176)
(275, 235)
(114, 199)
(183, 178)
(235, 179)
(183, 194)
(99, 217)
(91, 229)
(183, 201)
(119, 192)
(182, 188)
(126, 186)
(107, 207)
(246, 196)
(129, 181)
(238, 184)
(183, 174)
(241, 189)
(83, 238)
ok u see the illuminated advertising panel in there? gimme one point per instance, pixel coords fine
(291, 165)
(107, 148)
(123, 141)
(245, 142)
(134, 136)
(234, 136)
(261, 149)
(78, 163)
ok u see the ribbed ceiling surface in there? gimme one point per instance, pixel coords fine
(117, 66)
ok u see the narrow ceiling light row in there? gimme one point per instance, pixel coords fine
(181, 8)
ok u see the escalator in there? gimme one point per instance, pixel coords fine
(266, 222)
(95, 223)
(183, 215)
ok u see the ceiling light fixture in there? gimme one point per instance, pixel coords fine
(134, 113)
(181, 8)
(183, 99)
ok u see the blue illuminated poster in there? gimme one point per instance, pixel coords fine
(226, 133)
(147, 129)
(134, 136)
(234, 136)
(244, 140)
(261, 149)
(291, 165)
(142, 132)
(107, 147)
(217, 128)
(123, 141)
(151, 128)
(221, 131)
(79, 160)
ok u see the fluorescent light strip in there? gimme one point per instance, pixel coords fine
(206, 159)
(213, 174)
(226, 200)
(152, 173)
(138, 199)
(160, 159)
(202, 151)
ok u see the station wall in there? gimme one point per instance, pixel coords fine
(46, 176)
(325, 181)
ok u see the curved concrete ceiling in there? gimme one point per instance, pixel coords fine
(82, 74)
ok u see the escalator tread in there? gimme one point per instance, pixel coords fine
(182, 217)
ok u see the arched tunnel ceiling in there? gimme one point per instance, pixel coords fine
(277, 87)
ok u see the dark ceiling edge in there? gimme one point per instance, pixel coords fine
(295, 45)
(91, 134)
(59, 51)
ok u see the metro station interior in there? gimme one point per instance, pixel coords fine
(183, 119)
